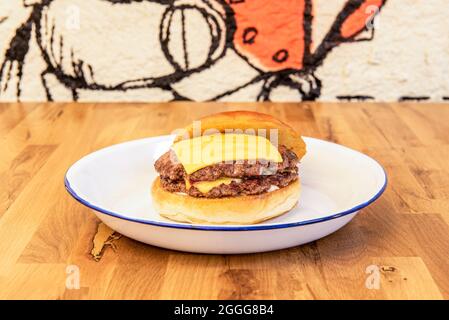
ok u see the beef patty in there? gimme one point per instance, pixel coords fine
(252, 178)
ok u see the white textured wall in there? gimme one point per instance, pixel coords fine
(408, 56)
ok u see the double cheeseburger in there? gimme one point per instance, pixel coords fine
(227, 172)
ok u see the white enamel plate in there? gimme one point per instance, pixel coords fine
(336, 183)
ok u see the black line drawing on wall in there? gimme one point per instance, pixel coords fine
(230, 24)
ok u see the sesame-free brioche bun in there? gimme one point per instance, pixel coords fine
(229, 210)
(247, 209)
(244, 120)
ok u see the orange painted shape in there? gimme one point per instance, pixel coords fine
(270, 34)
(357, 21)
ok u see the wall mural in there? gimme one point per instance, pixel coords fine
(171, 41)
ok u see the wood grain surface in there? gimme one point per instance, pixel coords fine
(44, 233)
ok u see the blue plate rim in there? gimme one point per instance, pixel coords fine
(232, 228)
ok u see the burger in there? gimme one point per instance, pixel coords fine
(229, 168)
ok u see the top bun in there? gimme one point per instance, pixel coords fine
(243, 120)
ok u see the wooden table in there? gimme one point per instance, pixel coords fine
(44, 233)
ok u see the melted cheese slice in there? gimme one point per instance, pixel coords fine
(200, 152)
(206, 186)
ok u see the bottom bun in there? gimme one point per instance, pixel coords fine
(230, 210)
